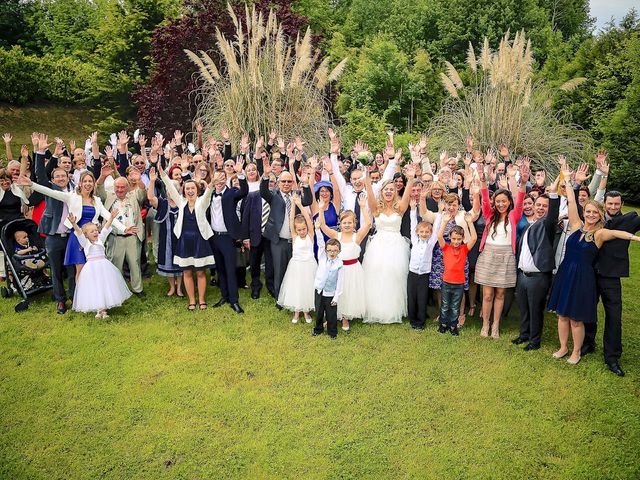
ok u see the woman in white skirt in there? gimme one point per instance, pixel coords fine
(386, 261)
(352, 302)
(297, 293)
(100, 285)
(496, 265)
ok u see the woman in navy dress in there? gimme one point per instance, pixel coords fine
(574, 295)
(193, 252)
(329, 194)
(166, 216)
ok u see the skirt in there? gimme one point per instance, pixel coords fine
(351, 303)
(496, 267)
(99, 286)
(296, 292)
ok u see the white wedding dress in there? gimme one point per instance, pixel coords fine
(386, 265)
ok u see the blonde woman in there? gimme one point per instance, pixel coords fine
(574, 294)
(386, 261)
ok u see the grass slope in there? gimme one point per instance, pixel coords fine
(69, 123)
(157, 392)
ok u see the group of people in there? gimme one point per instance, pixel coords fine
(349, 235)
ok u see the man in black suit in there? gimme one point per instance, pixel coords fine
(612, 264)
(277, 228)
(226, 230)
(52, 225)
(536, 261)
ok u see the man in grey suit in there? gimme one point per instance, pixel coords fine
(277, 229)
(128, 243)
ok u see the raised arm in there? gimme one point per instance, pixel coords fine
(604, 235)
(446, 218)
(7, 146)
(25, 181)
(322, 224)
(574, 217)
(151, 188)
(406, 196)
(367, 221)
(305, 214)
(172, 193)
(468, 217)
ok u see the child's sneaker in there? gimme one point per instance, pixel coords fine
(442, 328)
(454, 331)
(294, 320)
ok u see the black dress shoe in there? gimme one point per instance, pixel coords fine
(237, 308)
(454, 331)
(442, 328)
(615, 368)
(61, 308)
(279, 307)
(272, 293)
(532, 346)
(255, 295)
(140, 294)
(519, 340)
(213, 282)
(586, 349)
(219, 303)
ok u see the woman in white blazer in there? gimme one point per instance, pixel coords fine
(85, 206)
(193, 251)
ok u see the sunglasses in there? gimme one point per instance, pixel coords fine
(286, 181)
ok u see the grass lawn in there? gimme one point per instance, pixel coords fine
(158, 392)
(69, 123)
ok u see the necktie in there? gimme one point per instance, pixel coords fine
(266, 209)
(287, 205)
(356, 210)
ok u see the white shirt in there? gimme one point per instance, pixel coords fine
(526, 259)
(217, 218)
(325, 267)
(422, 250)
(501, 237)
(125, 211)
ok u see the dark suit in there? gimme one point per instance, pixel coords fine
(532, 287)
(612, 263)
(258, 245)
(55, 243)
(223, 243)
(280, 247)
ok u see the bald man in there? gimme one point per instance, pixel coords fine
(126, 244)
(277, 229)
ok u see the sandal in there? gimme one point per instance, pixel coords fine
(203, 306)
(191, 307)
(472, 310)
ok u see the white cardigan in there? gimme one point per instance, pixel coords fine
(74, 203)
(17, 191)
(202, 203)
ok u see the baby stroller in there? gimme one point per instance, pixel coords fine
(26, 274)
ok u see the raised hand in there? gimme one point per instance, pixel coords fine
(331, 133)
(469, 143)
(362, 201)
(582, 173)
(423, 143)
(24, 151)
(444, 156)
(7, 138)
(604, 168)
(106, 170)
(34, 139)
(335, 145)
(238, 166)
(410, 170)
(398, 156)
(123, 139)
(601, 156)
(525, 170)
(142, 141)
(541, 179)
(94, 138)
(108, 151)
(72, 145)
(244, 142)
(503, 151)
(43, 142)
(299, 144)
(59, 148)
(72, 218)
(225, 135)
(295, 199)
(313, 163)
(260, 143)
(153, 175)
(177, 136)
(24, 181)
(490, 156)
(198, 125)
(266, 166)
(389, 150)
(272, 136)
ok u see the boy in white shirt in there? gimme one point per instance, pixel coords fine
(328, 285)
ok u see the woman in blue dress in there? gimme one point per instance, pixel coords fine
(166, 216)
(574, 294)
(86, 207)
(193, 252)
(329, 194)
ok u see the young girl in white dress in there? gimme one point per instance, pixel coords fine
(297, 292)
(352, 301)
(386, 261)
(100, 285)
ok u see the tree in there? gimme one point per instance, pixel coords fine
(166, 101)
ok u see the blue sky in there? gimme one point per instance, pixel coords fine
(603, 10)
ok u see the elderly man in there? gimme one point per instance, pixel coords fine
(126, 244)
(277, 229)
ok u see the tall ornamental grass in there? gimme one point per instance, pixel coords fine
(504, 104)
(265, 83)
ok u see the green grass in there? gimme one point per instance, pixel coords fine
(157, 392)
(69, 123)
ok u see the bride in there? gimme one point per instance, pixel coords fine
(386, 261)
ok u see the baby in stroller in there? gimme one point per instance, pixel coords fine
(30, 256)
